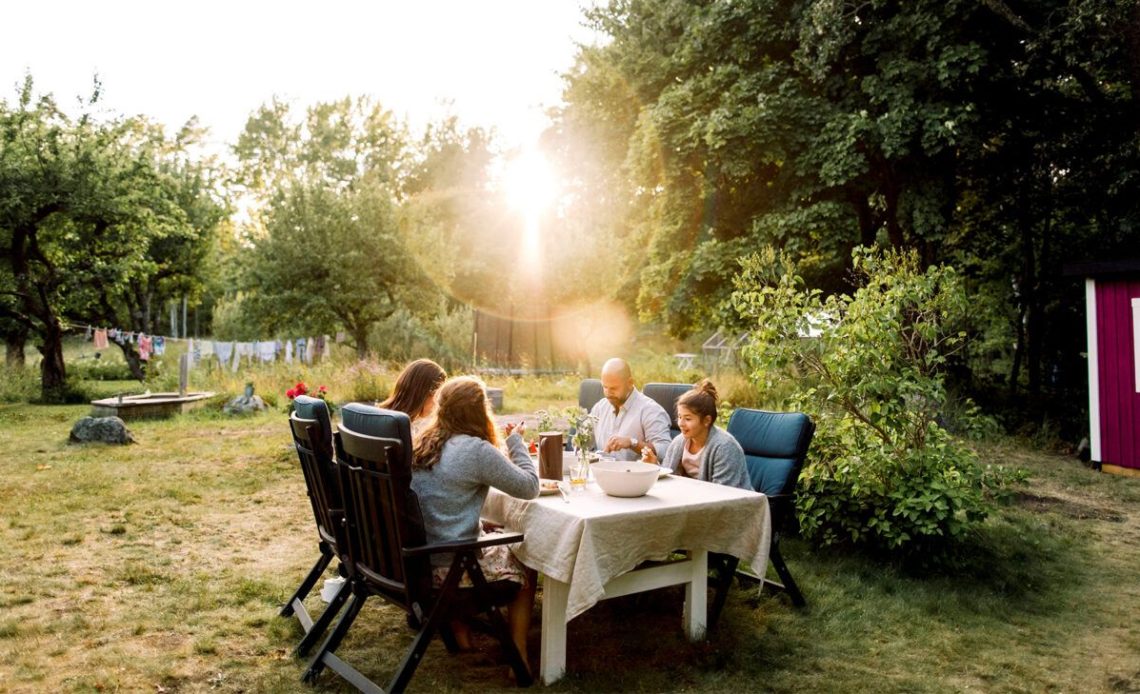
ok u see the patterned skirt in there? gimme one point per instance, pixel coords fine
(498, 564)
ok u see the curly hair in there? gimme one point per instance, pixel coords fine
(462, 408)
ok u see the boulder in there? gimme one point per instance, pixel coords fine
(104, 429)
(244, 404)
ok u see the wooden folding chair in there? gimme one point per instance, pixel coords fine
(389, 559)
(324, 498)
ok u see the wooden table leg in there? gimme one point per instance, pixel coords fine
(552, 651)
(695, 614)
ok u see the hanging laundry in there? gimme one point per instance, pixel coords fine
(144, 347)
(310, 347)
(241, 349)
(100, 338)
(159, 346)
(300, 349)
(340, 336)
(87, 335)
(224, 350)
(267, 351)
(319, 349)
(288, 351)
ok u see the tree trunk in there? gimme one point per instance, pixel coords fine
(894, 228)
(14, 343)
(867, 230)
(53, 373)
(133, 362)
(360, 338)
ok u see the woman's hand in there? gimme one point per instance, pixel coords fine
(519, 428)
(648, 455)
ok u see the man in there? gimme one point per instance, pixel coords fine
(627, 421)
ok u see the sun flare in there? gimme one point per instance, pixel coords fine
(531, 188)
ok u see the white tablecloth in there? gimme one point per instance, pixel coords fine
(597, 537)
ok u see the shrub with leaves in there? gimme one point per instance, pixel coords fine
(869, 367)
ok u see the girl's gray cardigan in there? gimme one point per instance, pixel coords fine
(722, 459)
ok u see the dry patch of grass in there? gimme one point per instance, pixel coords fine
(160, 567)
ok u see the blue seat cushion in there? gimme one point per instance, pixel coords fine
(768, 475)
(374, 421)
(314, 408)
(774, 444)
(589, 393)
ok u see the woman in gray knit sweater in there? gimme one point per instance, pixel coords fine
(457, 460)
(703, 450)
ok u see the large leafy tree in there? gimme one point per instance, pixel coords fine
(100, 220)
(1001, 136)
(323, 248)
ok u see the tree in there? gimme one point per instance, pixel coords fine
(328, 260)
(998, 136)
(324, 250)
(91, 214)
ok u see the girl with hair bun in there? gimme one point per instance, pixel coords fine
(703, 450)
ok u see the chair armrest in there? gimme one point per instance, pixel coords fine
(461, 545)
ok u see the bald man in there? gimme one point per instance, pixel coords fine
(627, 421)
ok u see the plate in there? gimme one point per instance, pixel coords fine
(546, 487)
(663, 471)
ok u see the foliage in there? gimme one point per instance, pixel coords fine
(870, 367)
(445, 335)
(325, 251)
(17, 384)
(102, 222)
(998, 137)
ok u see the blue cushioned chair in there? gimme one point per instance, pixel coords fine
(589, 393)
(389, 557)
(312, 439)
(775, 445)
(666, 395)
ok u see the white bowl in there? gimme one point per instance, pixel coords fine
(625, 478)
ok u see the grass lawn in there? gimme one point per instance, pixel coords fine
(160, 567)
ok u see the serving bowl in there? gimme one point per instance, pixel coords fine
(625, 478)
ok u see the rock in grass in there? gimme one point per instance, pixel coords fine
(244, 404)
(104, 429)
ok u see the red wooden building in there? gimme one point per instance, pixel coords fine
(1112, 305)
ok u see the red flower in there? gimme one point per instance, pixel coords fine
(290, 393)
(323, 389)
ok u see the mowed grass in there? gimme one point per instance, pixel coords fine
(161, 567)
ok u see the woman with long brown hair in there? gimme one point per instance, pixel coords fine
(457, 460)
(414, 394)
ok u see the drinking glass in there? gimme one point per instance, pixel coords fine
(579, 470)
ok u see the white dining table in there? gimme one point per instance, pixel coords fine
(590, 548)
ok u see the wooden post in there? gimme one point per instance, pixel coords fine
(183, 374)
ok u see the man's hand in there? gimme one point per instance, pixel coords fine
(617, 443)
(648, 455)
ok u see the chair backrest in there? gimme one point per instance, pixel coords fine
(666, 395)
(775, 445)
(316, 409)
(589, 393)
(375, 421)
(320, 476)
(382, 512)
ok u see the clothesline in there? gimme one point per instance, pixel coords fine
(228, 352)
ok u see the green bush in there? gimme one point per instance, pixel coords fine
(99, 370)
(869, 367)
(18, 384)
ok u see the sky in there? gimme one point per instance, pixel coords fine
(493, 63)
